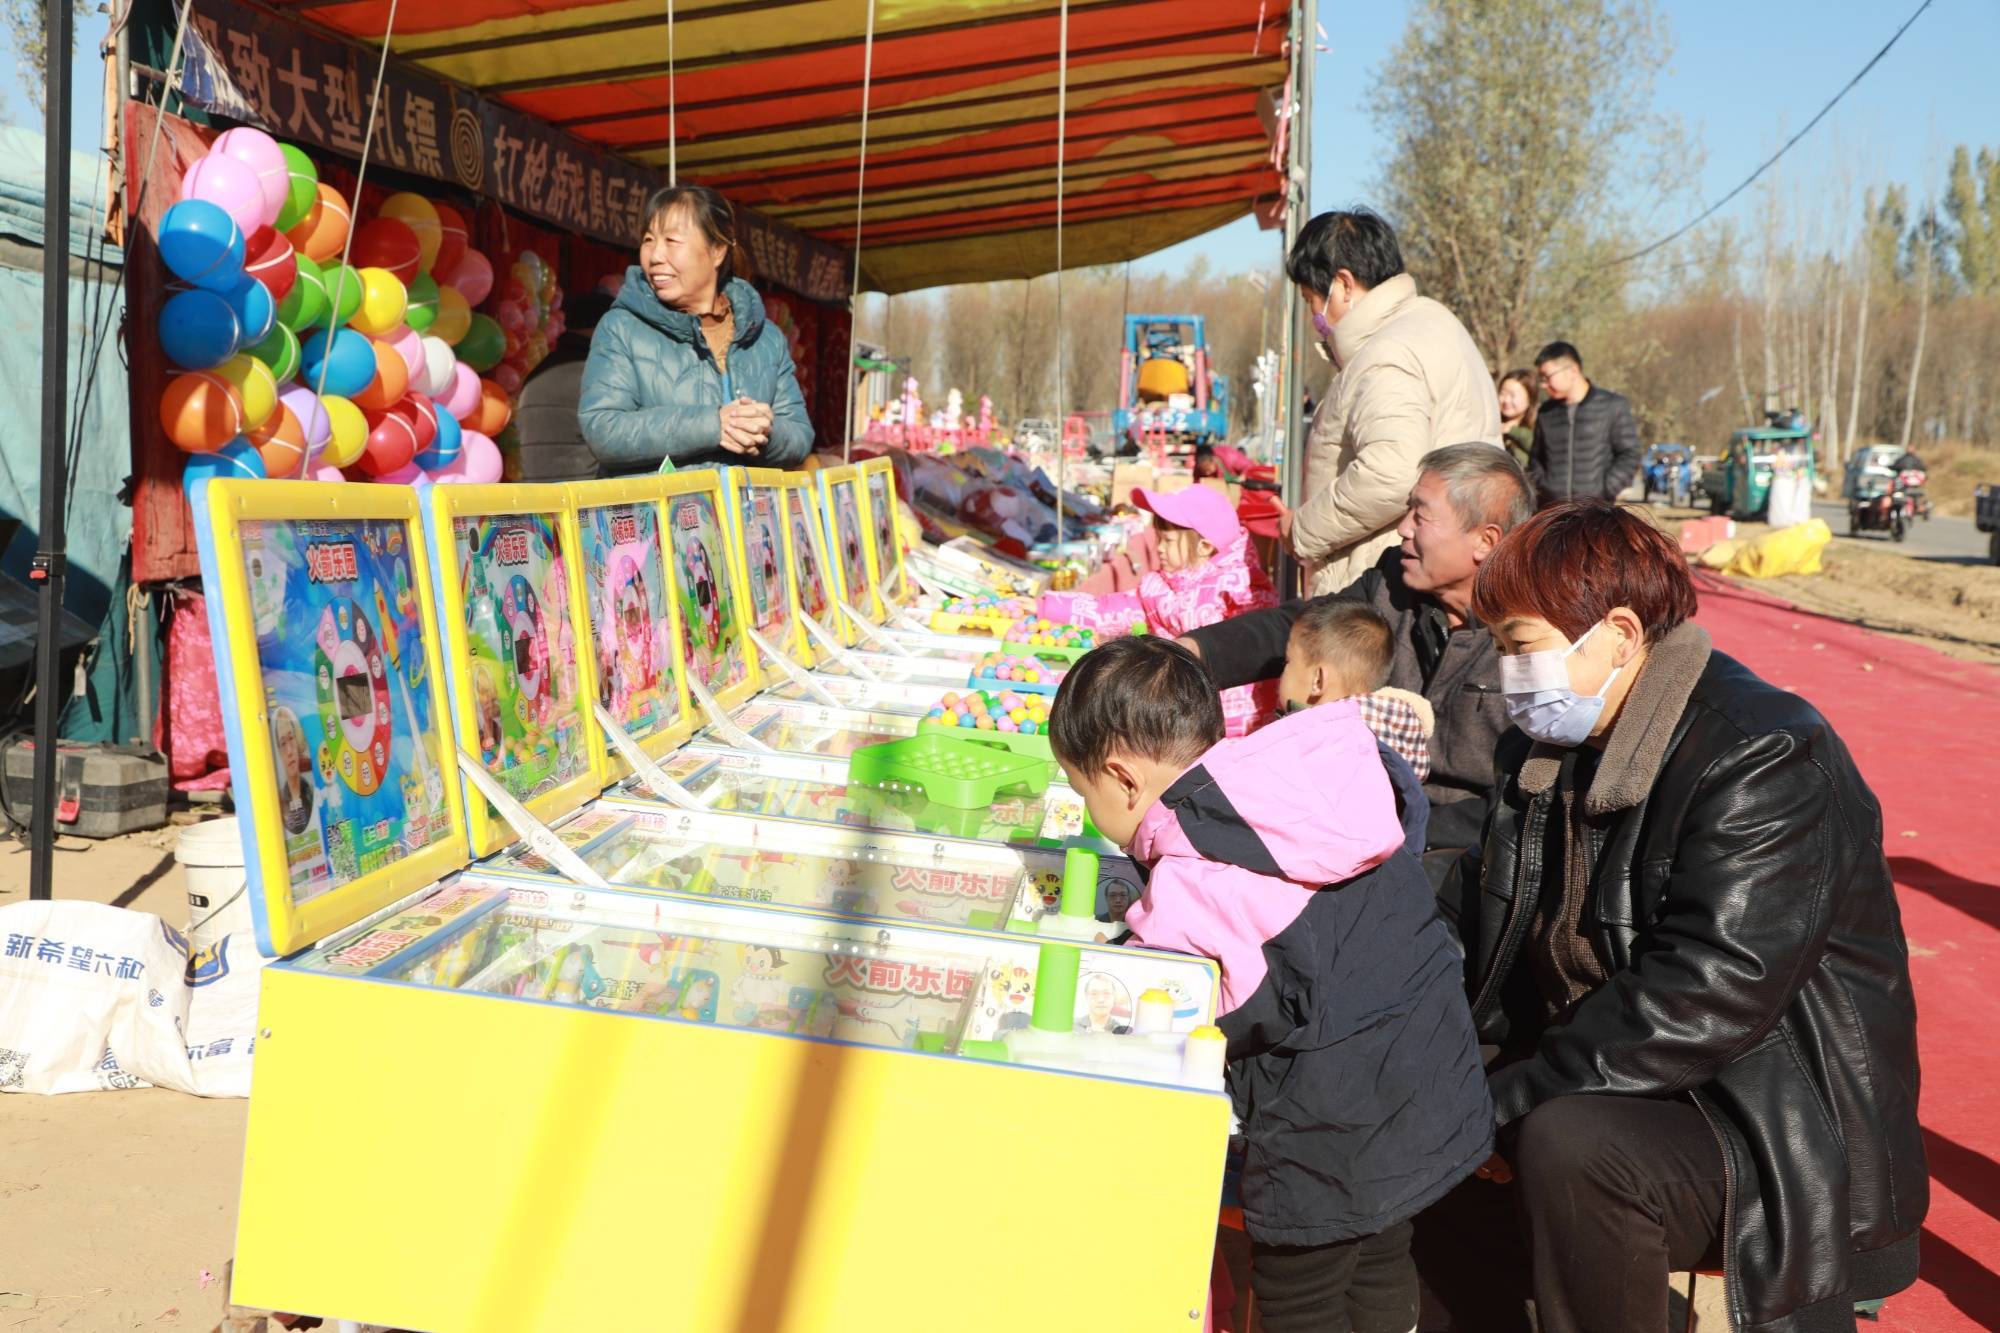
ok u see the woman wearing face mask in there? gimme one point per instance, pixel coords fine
(1408, 379)
(1687, 966)
(685, 369)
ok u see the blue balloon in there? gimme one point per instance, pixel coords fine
(237, 460)
(202, 244)
(255, 310)
(444, 445)
(198, 330)
(348, 364)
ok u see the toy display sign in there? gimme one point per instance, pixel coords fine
(809, 578)
(848, 531)
(757, 515)
(512, 627)
(712, 642)
(630, 611)
(340, 753)
(878, 476)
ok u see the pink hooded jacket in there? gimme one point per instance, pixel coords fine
(1306, 796)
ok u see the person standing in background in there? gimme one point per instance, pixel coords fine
(1408, 380)
(1518, 392)
(1585, 443)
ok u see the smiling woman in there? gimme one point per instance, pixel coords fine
(685, 369)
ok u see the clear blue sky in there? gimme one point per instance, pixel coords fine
(1745, 75)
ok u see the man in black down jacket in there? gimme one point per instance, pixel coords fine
(1585, 442)
(1685, 954)
(1466, 498)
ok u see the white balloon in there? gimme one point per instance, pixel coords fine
(440, 368)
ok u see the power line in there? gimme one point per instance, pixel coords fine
(1772, 161)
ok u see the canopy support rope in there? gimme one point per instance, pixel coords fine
(360, 180)
(673, 116)
(854, 287)
(1062, 153)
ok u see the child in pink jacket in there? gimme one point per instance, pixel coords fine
(1207, 574)
(1286, 857)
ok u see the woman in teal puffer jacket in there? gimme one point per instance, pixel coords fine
(685, 369)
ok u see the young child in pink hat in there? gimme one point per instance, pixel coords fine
(1206, 575)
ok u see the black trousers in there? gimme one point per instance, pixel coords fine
(1368, 1285)
(1610, 1194)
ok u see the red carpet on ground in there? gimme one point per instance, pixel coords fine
(1925, 729)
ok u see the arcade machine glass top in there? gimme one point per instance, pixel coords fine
(342, 756)
(506, 563)
(632, 615)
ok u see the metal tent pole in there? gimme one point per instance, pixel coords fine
(48, 568)
(1298, 202)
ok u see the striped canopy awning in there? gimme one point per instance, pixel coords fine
(1169, 133)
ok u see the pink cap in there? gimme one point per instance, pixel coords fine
(1202, 508)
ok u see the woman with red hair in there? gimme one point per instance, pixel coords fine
(1686, 964)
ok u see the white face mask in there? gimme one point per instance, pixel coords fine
(1542, 702)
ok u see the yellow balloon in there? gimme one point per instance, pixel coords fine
(420, 216)
(383, 301)
(349, 435)
(454, 316)
(255, 385)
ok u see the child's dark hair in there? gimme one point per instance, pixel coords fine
(1142, 694)
(1353, 638)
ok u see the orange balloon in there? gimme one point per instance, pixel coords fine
(391, 382)
(201, 412)
(320, 235)
(281, 443)
(495, 410)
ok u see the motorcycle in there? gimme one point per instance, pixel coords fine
(1885, 506)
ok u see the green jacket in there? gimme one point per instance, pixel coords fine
(652, 390)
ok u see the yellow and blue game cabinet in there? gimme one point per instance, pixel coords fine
(505, 562)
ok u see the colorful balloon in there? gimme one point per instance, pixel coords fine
(305, 304)
(473, 277)
(383, 299)
(305, 405)
(495, 410)
(230, 186)
(390, 445)
(201, 412)
(259, 152)
(236, 459)
(270, 259)
(422, 414)
(301, 188)
(327, 472)
(483, 344)
(462, 399)
(340, 363)
(344, 290)
(454, 315)
(388, 384)
(445, 443)
(452, 234)
(421, 217)
(388, 244)
(198, 329)
(349, 433)
(255, 311)
(279, 351)
(508, 376)
(255, 388)
(437, 376)
(422, 309)
(479, 459)
(410, 346)
(321, 233)
(281, 443)
(201, 244)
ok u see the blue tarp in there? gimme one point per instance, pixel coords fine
(99, 527)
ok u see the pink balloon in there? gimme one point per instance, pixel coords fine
(231, 186)
(409, 345)
(306, 406)
(407, 475)
(477, 464)
(462, 399)
(327, 472)
(473, 276)
(259, 152)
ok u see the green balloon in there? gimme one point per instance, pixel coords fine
(422, 311)
(279, 352)
(305, 304)
(483, 344)
(343, 292)
(301, 193)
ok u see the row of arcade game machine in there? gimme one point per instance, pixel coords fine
(647, 960)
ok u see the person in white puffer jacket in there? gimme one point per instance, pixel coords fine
(1408, 379)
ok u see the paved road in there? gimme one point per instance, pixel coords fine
(1938, 538)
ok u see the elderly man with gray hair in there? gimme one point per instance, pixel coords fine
(1466, 498)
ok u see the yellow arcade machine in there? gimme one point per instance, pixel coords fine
(489, 1106)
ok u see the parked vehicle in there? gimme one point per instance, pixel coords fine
(1986, 515)
(1875, 473)
(1741, 486)
(1668, 472)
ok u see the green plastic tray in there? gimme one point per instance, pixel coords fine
(951, 771)
(1047, 651)
(1036, 745)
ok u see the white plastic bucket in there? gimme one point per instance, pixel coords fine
(211, 853)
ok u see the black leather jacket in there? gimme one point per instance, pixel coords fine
(1742, 904)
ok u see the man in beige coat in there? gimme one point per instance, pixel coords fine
(1408, 379)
